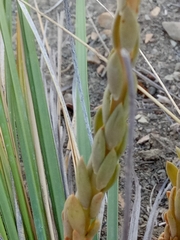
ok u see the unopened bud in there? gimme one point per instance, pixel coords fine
(84, 191)
(115, 127)
(75, 214)
(106, 170)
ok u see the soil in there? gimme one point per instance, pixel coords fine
(156, 134)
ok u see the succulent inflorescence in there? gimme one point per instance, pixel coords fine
(110, 129)
(172, 216)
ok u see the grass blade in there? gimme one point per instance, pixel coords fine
(112, 212)
(7, 215)
(24, 133)
(43, 124)
(5, 168)
(3, 235)
(16, 174)
(82, 134)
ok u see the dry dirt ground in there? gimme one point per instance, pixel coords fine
(156, 134)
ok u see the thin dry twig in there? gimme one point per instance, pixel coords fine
(105, 8)
(159, 104)
(54, 7)
(152, 83)
(42, 27)
(95, 28)
(133, 229)
(160, 81)
(151, 196)
(154, 212)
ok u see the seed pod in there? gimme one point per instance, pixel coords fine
(172, 171)
(96, 204)
(178, 180)
(134, 5)
(177, 205)
(120, 5)
(75, 214)
(93, 184)
(135, 52)
(106, 170)
(89, 168)
(113, 178)
(98, 150)
(125, 101)
(161, 237)
(165, 217)
(178, 152)
(67, 227)
(115, 127)
(122, 146)
(84, 191)
(166, 232)
(168, 193)
(77, 236)
(115, 74)
(106, 105)
(128, 29)
(115, 31)
(172, 224)
(93, 229)
(98, 121)
(172, 199)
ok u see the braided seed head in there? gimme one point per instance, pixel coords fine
(80, 211)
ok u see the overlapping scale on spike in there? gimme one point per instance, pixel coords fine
(110, 130)
(84, 190)
(172, 216)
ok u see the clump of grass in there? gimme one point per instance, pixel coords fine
(26, 138)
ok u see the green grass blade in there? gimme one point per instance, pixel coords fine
(6, 172)
(44, 126)
(15, 172)
(24, 134)
(112, 212)
(83, 141)
(3, 234)
(6, 213)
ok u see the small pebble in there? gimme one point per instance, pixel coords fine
(107, 32)
(173, 43)
(152, 90)
(93, 58)
(176, 76)
(94, 36)
(173, 88)
(177, 67)
(169, 77)
(155, 12)
(103, 36)
(138, 116)
(147, 17)
(173, 29)
(143, 120)
(105, 20)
